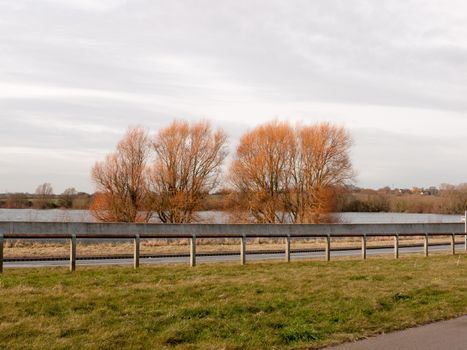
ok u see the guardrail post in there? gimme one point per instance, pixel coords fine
(364, 247)
(1, 252)
(453, 244)
(136, 242)
(73, 252)
(327, 250)
(287, 248)
(193, 250)
(465, 230)
(396, 246)
(425, 245)
(243, 249)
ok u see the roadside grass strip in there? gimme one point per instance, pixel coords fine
(263, 305)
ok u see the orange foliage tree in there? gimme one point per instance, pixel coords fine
(322, 166)
(283, 174)
(122, 190)
(261, 173)
(188, 160)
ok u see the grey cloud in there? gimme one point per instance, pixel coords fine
(158, 60)
(401, 160)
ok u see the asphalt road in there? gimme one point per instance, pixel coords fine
(451, 335)
(226, 258)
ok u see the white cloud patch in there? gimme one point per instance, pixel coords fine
(89, 5)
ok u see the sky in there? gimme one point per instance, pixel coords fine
(74, 74)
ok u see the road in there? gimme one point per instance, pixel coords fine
(226, 258)
(450, 335)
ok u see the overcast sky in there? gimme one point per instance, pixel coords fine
(75, 73)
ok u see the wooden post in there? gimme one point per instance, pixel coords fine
(243, 249)
(1, 252)
(73, 252)
(364, 247)
(453, 244)
(327, 250)
(287, 248)
(426, 244)
(136, 251)
(193, 250)
(396, 246)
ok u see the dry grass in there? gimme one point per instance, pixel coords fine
(39, 249)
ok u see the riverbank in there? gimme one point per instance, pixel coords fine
(257, 306)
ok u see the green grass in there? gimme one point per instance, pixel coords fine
(304, 304)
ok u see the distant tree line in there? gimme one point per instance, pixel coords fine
(279, 173)
(445, 199)
(44, 198)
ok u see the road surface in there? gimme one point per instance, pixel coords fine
(449, 335)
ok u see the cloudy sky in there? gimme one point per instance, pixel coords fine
(75, 73)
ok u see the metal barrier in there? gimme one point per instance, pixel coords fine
(75, 230)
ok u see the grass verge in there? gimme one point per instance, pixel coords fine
(258, 306)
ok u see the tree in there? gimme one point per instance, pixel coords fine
(454, 198)
(67, 197)
(44, 193)
(322, 165)
(17, 201)
(262, 173)
(284, 174)
(122, 188)
(188, 160)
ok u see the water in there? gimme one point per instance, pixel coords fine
(397, 218)
(63, 215)
(60, 215)
(49, 215)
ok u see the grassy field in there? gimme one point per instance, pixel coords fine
(300, 305)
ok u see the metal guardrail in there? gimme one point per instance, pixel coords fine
(76, 230)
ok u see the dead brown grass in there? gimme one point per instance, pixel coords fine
(15, 249)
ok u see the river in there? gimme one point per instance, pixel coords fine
(61, 215)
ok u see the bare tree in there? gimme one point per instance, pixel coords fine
(187, 165)
(262, 173)
(17, 201)
(121, 184)
(44, 193)
(283, 174)
(322, 164)
(454, 198)
(67, 197)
